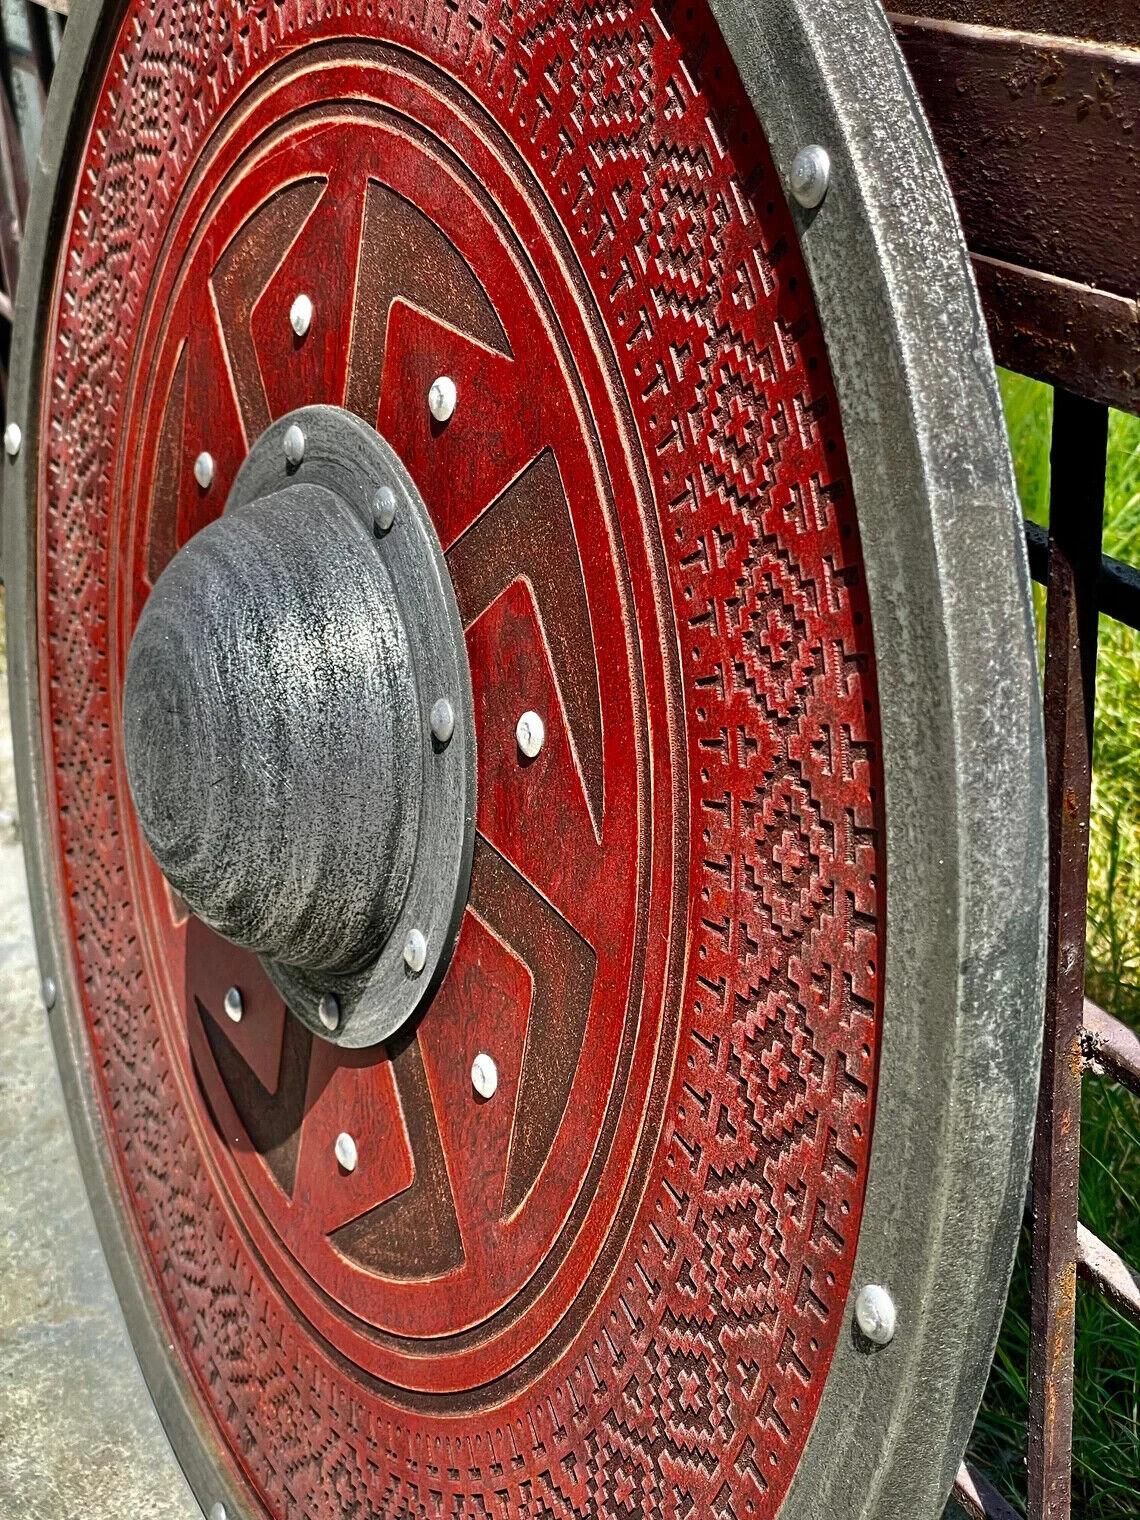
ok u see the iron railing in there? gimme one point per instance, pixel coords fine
(1033, 104)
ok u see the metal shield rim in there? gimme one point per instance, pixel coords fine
(209, 1472)
(962, 753)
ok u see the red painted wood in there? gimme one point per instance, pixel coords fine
(615, 1288)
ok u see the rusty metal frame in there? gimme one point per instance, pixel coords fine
(1082, 585)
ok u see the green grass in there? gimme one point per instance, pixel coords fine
(1106, 1445)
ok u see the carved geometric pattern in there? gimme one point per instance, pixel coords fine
(691, 1362)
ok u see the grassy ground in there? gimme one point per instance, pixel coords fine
(1106, 1448)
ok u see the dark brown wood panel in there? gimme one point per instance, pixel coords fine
(1095, 20)
(1071, 335)
(1041, 141)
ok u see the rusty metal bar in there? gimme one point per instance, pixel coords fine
(976, 1496)
(1110, 1047)
(1109, 1273)
(1118, 591)
(1079, 448)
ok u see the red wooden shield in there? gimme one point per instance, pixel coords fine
(615, 1287)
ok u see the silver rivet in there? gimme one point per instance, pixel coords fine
(345, 1149)
(484, 1075)
(383, 509)
(415, 952)
(809, 176)
(328, 1010)
(875, 1314)
(204, 470)
(294, 444)
(530, 731)
(442, 397)
(442, 720)
(232, 1003)
(218, 1511)
(301, 315)
(48, 992)
(13, 438)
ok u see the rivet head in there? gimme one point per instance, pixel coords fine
(415, 951)
(530, 732)
(204, 470)
(218, 1511)
(301, 315)
(294, 444)
(484, 1075)
(442, 720)
(233, 1004)
(13, 438)
(345, 1149)
(442, 397)
(809, 175)
(875, 1314)
(328, 1010)
(383, 509)
(48, 992)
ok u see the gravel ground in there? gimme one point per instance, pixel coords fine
(79, 1437)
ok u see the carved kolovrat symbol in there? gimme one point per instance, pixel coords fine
(574, 1238)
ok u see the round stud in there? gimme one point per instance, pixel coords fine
(383, 509)
(875, 1314)
(204, 470)
(442, 721)
(294, 444)
(345, 1149)
(48, 992)
(301, 315)
(809, 175)
(415, 952)
(218, 1511)
(484, 1075)
(328, 1011)
(530, 731)
(442, 397)
(232, 1003)
(13, 438)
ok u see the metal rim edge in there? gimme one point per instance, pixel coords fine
(208, 1471)
(963, 751)
(948, 584)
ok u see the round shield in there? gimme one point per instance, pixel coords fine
(523, 677)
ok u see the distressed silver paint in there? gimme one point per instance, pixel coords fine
(345, 1151)
(963, 756)
(442, 396)
(384, 509)
(485, 1075)
(809, 176)
(442, 720)
(530, 734)
(301, 315)
(875, 1314)
(204, 470)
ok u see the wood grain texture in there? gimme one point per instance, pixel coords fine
(1092, 20)
(1041, 142)
(1056, 330)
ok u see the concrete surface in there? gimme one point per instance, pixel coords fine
(79, 1436)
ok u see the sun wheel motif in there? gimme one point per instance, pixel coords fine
(615, 1288)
